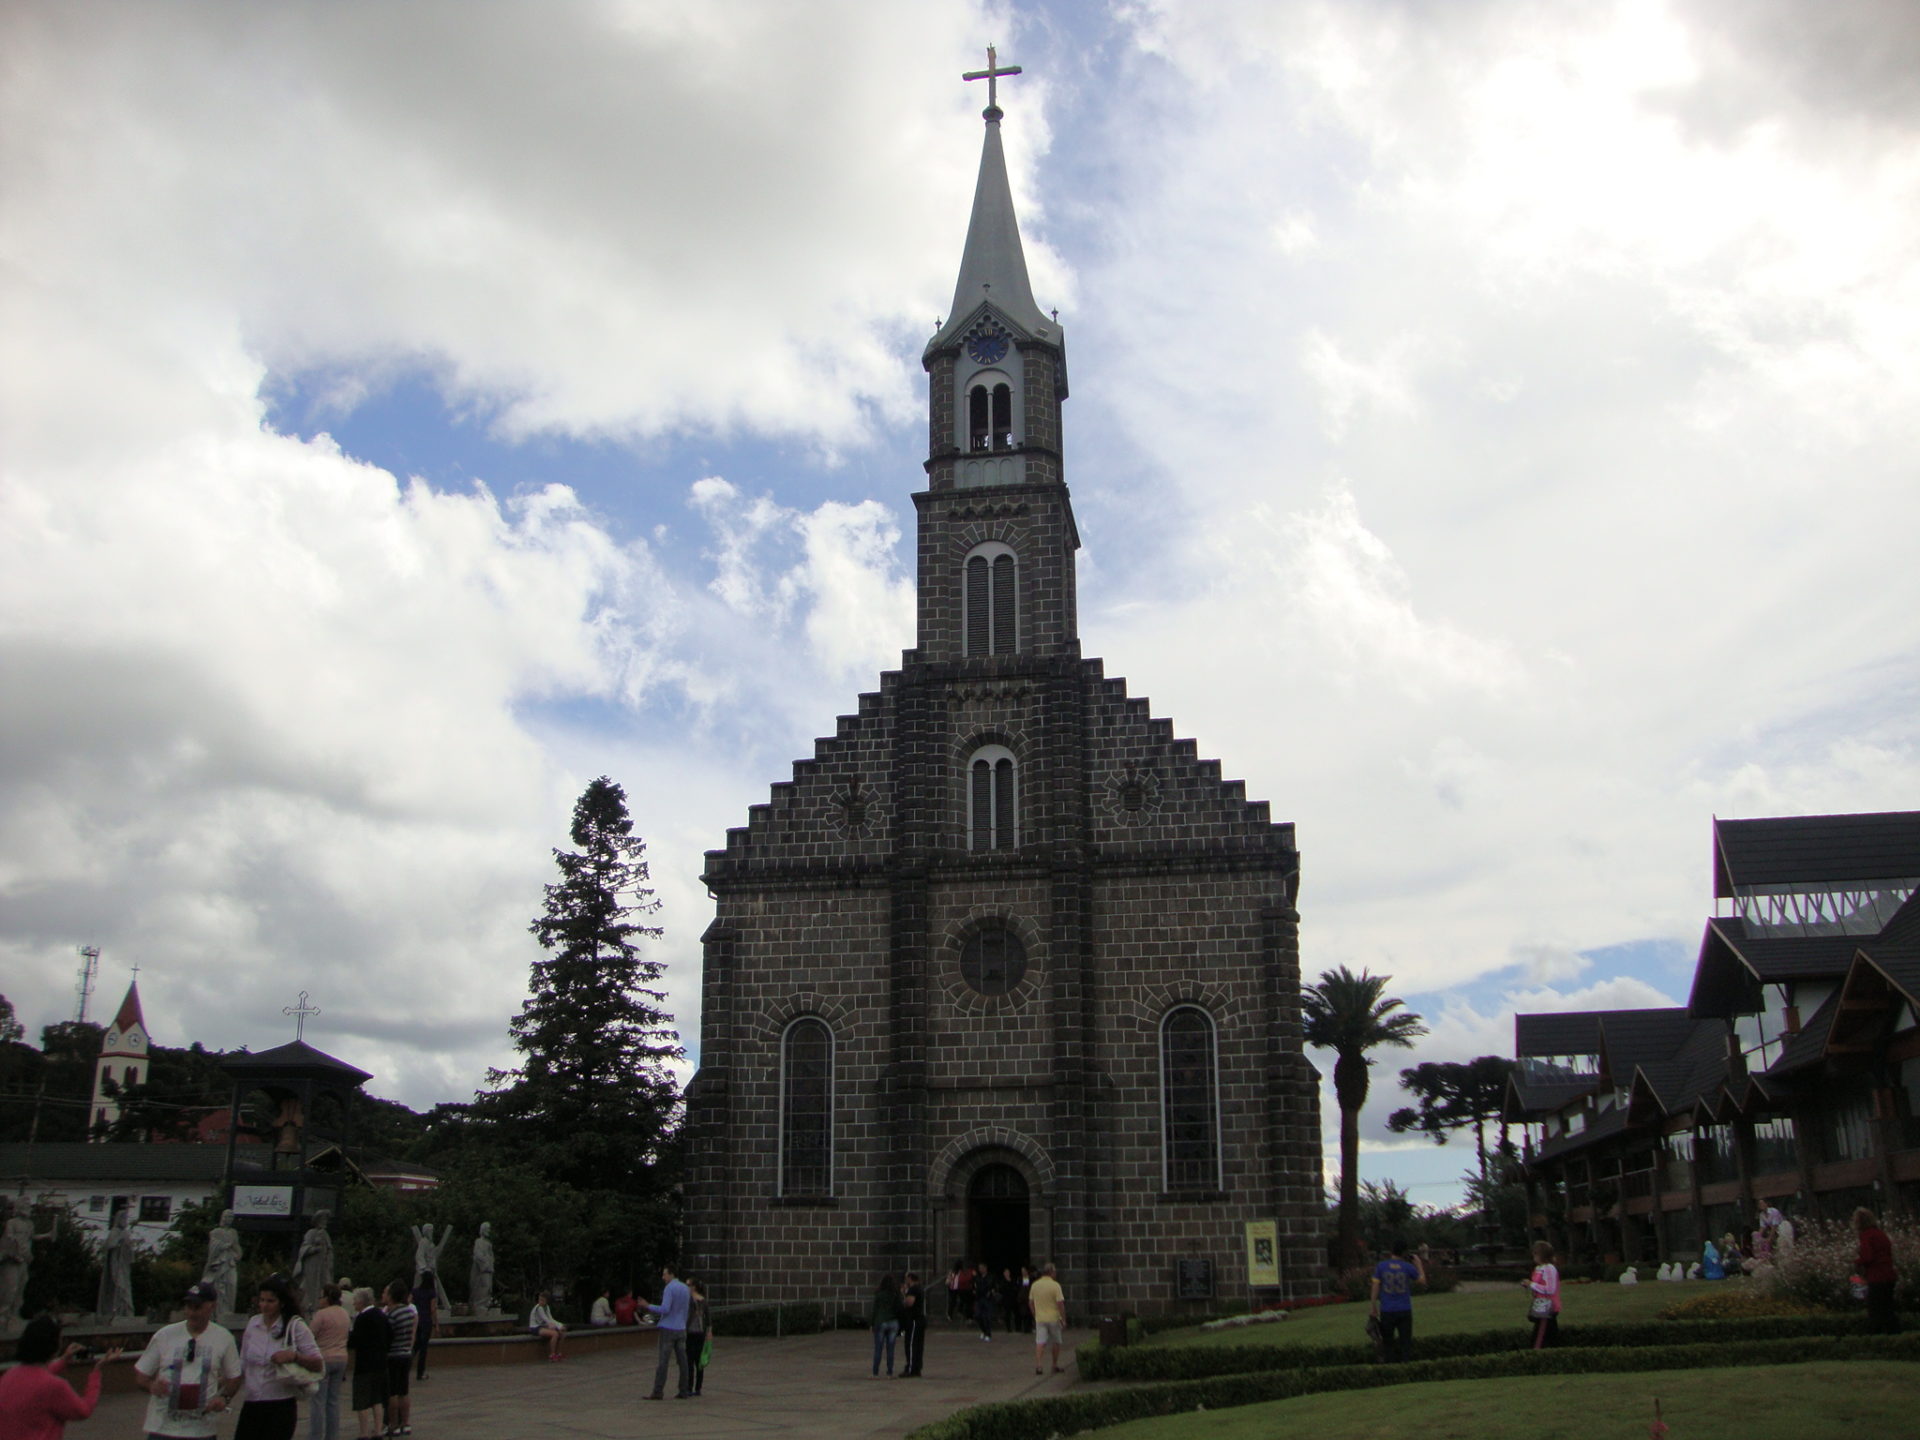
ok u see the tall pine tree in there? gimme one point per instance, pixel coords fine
(593, 1102)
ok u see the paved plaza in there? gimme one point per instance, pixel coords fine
(803, 1387)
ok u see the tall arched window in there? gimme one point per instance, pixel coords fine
(1189, 1100)
(992, 620)
(990, 413)
(806, 1108)
(993, 799)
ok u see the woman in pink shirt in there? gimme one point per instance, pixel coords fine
(35, 1400)
(1543, 1286)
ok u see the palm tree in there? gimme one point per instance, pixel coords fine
(1346, 1014)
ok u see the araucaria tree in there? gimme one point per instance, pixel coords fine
(593, 1098)
(1347, 1014)
(1452, 1096)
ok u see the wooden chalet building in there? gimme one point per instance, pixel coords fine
(1791, 1076)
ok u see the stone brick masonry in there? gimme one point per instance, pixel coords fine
(1141, 881)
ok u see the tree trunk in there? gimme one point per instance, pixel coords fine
(1350, 1089)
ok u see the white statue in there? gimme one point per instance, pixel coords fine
(1629, 1276)
(426, 1260)
(116, 1267)
(313, 1267)
(16, 1254)
(223, 1263)
(480, 1272)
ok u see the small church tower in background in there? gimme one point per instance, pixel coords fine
(123, 1061)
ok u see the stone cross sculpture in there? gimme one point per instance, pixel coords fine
(313, 1267)
(426, 1260)
(480, 1272)
(223, 1262)
(116, 1268)
(16, 1254)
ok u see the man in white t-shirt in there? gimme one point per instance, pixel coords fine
(191, 1369)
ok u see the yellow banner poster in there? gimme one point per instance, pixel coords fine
(1263, 1252)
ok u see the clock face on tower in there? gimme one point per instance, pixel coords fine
(987, 347)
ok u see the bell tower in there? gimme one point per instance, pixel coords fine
(997, 537)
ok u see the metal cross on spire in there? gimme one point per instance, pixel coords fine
(300, 1013)
(992, 75)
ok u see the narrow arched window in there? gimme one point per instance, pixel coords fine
(806, 1108)
(1003, 417)
(1189, 1100)
(992, 799)
(992, 601)
(979, 419)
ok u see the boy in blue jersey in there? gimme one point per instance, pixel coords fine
(1392, 1295)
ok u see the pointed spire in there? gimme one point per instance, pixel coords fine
(129, 1015)
(993, 267)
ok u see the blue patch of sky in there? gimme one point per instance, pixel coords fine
(406, 425)
(1663, 962)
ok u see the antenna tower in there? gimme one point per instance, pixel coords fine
(89, 967)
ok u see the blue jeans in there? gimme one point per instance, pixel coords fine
(883, 1337)
(673, 1346)
(323, 1411)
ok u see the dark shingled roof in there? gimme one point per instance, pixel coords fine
(294, 1060)
(1532, 1098)
(78, 1160)
(1611, 1123)
(1815, 849)
(1635, 1037)
(1809, 1045)
(1729, 955)
(1570, 1032)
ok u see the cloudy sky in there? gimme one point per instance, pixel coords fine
(1494, 432)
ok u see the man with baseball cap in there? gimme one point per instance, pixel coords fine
(191, 1369)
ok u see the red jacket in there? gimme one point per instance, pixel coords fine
(1876, 1256)
(36, 1403)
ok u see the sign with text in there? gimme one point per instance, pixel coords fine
(271, 1200)
(1263, 1252)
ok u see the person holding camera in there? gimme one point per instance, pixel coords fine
(35, 1401)
(191, 1370)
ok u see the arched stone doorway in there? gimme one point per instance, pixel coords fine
(999, 1218)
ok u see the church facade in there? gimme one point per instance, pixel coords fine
(1005, 971)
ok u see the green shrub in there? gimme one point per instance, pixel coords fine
(1196, 1362)
(1818, 1267)
(1092, 1410)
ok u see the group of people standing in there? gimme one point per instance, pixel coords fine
(898, 1312)
(1395, 1279)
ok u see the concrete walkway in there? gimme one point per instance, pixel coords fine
(810, 1387)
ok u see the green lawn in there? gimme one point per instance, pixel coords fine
(1454, 1314)
(1868, 1398)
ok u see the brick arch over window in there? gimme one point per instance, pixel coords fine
(985, 1145)
(1150, 1005)
(774, 1018)
(952, 949)
(990, 599)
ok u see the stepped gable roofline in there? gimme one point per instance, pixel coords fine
(993, 265)
(129, 1014)
(1814, 850)
(1732, 959)
(296, 1060)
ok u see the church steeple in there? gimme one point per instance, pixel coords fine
(997, 539)
(998, 364)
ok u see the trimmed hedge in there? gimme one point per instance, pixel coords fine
(1093, 1410)
(1198, 1362)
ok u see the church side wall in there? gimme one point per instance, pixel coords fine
(1164, 940)
(812, 951)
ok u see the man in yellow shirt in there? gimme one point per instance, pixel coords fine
(1049, 1318)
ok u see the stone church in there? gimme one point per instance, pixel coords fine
(1005, 971)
